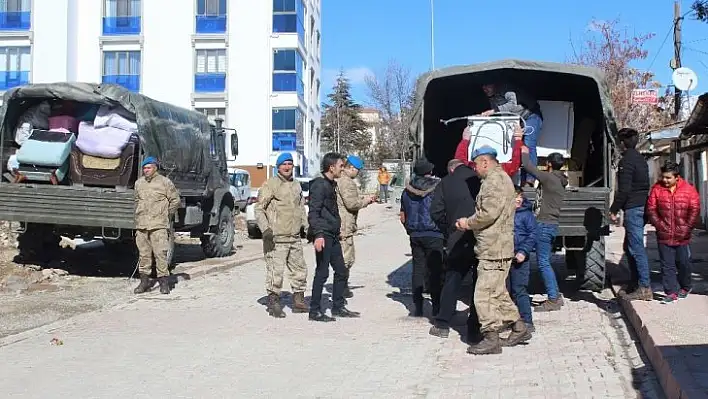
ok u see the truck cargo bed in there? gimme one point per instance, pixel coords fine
(586, 207)
(67, 205)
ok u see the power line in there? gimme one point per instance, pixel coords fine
(671, 29)
(696, 50)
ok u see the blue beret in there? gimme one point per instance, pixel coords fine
(282, 158)
(355, 161)
(148, 161)
(484, 150)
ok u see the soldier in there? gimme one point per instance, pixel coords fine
(350, 202)
(493, 227)
(280, 214)
(156, 203)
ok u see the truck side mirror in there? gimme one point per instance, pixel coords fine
(234, 144)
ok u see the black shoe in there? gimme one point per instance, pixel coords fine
(474, 337)
(144, 286)
(344, 312)
(164, 285)
(319, 316)
(440, 332)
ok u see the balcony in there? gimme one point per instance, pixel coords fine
(117, 26)
(10, 79)
(210, 83)
(18, 21)
(130, 82)
(211, 24)
(284, 141)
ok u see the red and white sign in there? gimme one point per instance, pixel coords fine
(645, 96)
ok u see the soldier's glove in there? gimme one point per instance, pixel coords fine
(268, 234)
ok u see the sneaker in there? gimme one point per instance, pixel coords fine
(683, 293)
(440, 332)
(669, 298)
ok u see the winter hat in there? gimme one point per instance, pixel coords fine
(423, 167)
(282, 158)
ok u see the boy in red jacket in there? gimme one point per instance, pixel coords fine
(673, 209)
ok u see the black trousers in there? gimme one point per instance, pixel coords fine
(427, 267)
(457, 267)
(331, 254)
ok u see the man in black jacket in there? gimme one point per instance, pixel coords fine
(324, 230)
(454, 198)
(631, 197)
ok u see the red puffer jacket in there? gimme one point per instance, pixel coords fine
(673, 214)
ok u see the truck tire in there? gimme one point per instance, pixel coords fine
(38, 244)
(221, 242)
(590, 266)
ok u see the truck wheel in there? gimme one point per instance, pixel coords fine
(38, 245)
(221, 242)
(590, 266)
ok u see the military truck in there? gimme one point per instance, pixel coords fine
(89, 203)
(578, 121)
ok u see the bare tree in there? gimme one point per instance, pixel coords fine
(614, 51)
(391, 92)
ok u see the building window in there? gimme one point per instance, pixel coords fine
(289, 17)
(211, 16)
(288, 68)
(210, 74)
(122, 68)
(15, 15)
(121, 17)
(15, 64)
(213, 113)
(287, 126)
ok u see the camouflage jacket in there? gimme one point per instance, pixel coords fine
(493, 221)
(349, 202)
(156, 202)
(281, 208)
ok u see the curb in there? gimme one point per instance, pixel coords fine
(671, 374)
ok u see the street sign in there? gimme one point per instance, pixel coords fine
(645, 96)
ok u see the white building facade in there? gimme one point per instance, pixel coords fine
(254, 63)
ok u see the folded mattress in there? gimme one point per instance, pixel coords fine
(104, 142)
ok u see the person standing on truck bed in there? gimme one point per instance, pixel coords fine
(511, 167)
(631, 197)
(156, 203)
(505, 98)
(350, 202)
(493, 227)
(325, 229)
(280, 214)
(552, 190)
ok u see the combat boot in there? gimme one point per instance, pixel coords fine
(275, 309)
(144, 286)
(519, 334)
(299, 305)
(164, 285)
(490, 345)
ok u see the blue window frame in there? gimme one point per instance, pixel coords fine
(288, 67)
(289, 17)
(14, 66)
(287, 127)
(15, 15)
(211, 16)
(121, 17)
(122, 68)
(210, 69)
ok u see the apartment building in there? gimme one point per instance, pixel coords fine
(254, 63)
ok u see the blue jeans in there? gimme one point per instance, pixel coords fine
(634, 246)
(519, 288)
(535, 123)
(544, 248)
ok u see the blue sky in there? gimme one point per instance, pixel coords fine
(361, 36)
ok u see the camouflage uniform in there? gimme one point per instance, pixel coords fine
(281, 209)
(493, 227)
(156, 202)
(349, 202)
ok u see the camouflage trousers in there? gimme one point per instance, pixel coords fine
(280, 255)
(153, 243)
(494, 306)
(348, 251)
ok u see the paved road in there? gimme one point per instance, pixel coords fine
(213, 338)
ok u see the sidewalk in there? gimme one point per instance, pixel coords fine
(674, 336)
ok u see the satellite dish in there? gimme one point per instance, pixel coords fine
(684, 79)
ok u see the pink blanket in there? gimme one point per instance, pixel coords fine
(104, 142)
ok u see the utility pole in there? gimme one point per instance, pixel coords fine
(432, 35)
(338, 126)
(677, 55)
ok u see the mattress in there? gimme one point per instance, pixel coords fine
(114, 117)
(104, 142)
(46, 148)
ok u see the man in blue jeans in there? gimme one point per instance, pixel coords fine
(525, 230)
(550, 196)
(631, 197)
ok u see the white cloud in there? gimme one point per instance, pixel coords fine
(356, 75)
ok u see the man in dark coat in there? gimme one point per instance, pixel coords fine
(455, 198)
